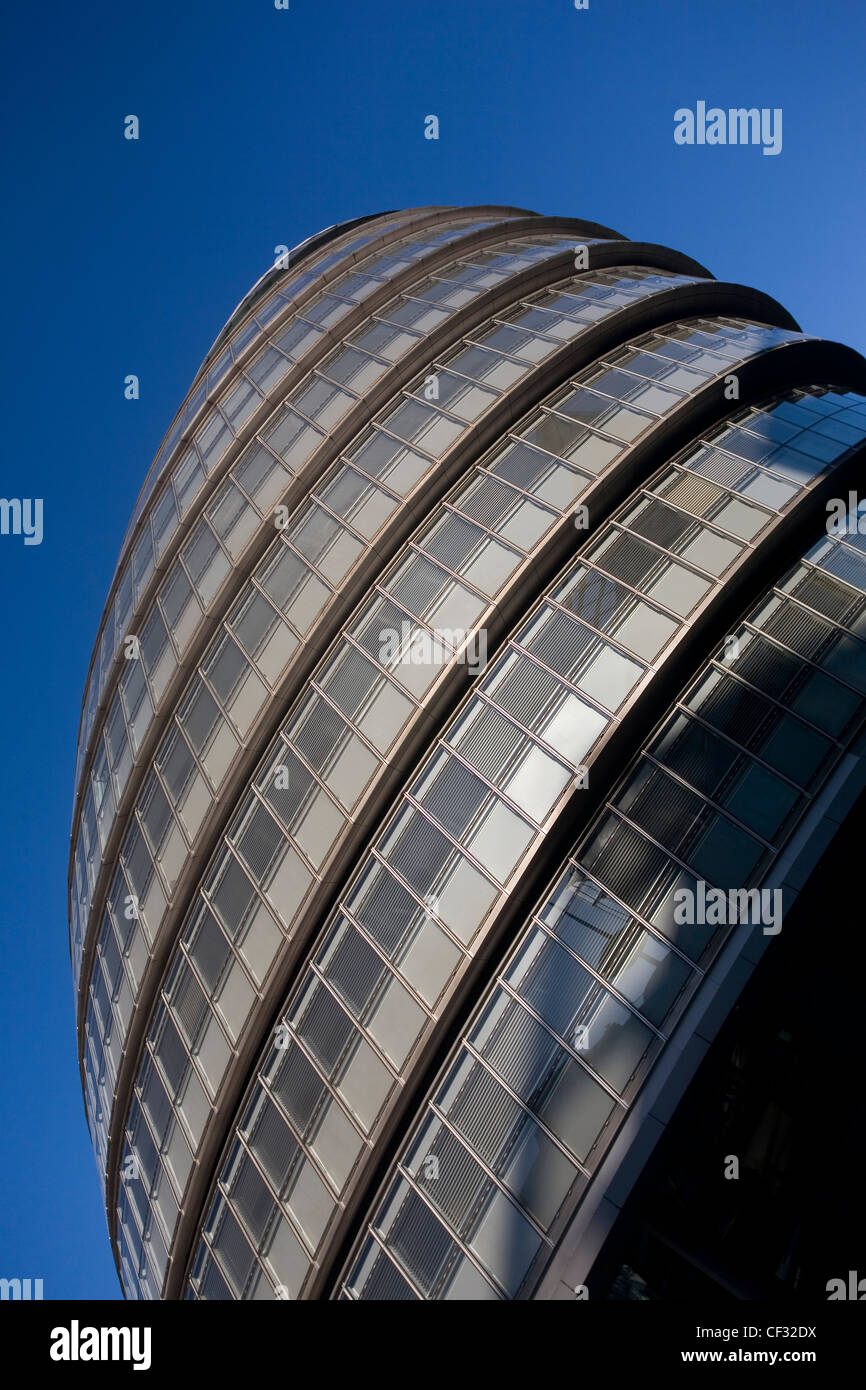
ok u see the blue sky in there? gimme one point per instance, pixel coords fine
(258, 128)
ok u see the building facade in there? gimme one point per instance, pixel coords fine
(480, 684)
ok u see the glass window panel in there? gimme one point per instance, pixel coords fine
(678, 588)
(607, 1035)
(605, 935)
(295, 589)
(336, 1144)
(564, 1095)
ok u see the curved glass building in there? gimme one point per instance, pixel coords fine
(480, 683)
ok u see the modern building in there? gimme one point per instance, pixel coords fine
(482, 680)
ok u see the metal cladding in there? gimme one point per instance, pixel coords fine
(479, 662)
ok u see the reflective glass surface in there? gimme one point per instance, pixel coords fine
(244, 502)
(357, 710)
(192, 450)
(345, 880)
(456, 838)
(603, 969)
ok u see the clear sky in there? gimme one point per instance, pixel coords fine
(258, 128)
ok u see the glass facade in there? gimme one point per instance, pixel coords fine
(494, 785)
(590, 993)
(243, 507)
(356, 712)
(262, 353)
(252, 652)
(416, 551)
